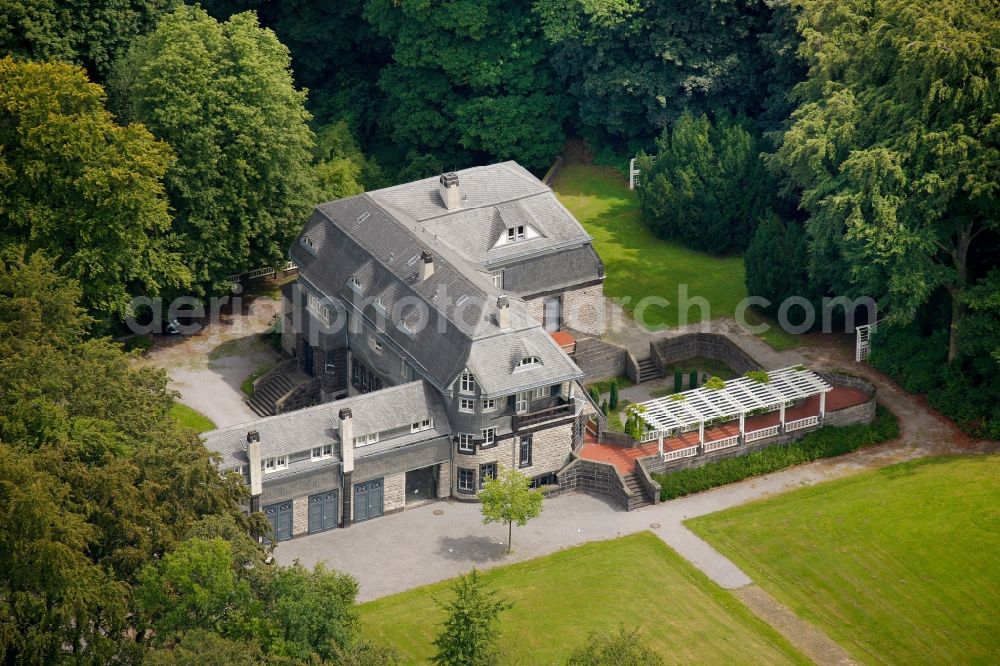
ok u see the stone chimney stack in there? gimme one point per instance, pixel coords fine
(451, 196)
(347, 440)
(426, 265)
(253, 455)
(503, 313)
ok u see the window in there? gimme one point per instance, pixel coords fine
(466, 480)
(524, 451)
(521, 401)
(486, 472)
(420, 426)
(327, 315)
(374, 343)
(544, 480)
(515, 233)
(380, 304)
(466, 405)
(329, 367)
(489, 437)
(364, 440)
(312, 301)
(321, 452)
(308, 243)
(528, 361)
(355, 284)
(489, 405)
(540, 392)
(465, 443)
(498, 279)
(275, 463)
(467, 382)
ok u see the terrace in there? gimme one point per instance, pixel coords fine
(704, 420)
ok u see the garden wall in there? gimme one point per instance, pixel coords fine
(599, 359)
(668, 352)
(594, 478)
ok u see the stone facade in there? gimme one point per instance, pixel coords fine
(599, 359)
(443, 480)
(583, 310)
(300, 516)
(394, 489)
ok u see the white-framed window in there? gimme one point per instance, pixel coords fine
(521, 401)
(354, 283)
(489, 437)
(498, 279)
(467, 382)
(467, 405)
(312, 301)
(420, 426)
(321, 452)
(466, 480)
(489, 405)
(466, 443)
(528, 361)
(326, 315)
(487, 471)
(540, 392)
(405, 328)
(515, 233)
(275, 463)
(524, 451)
(365, 440)
(329, 367)
(309, 243)
(380, 304)
(404, 369)
(374, 343)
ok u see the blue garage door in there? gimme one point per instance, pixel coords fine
(323, 511)
(280, 517)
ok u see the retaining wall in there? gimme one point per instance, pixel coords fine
(599, 359)
(594, 478)
(668, 352)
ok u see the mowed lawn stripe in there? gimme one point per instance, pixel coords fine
(898, 565)
(635, 581)
(638, 264)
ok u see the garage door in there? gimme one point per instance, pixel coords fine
(323, 511)
(367, 500)
(280, 517)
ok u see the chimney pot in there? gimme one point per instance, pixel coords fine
(451, 195)
(253, 436)
(426, 268)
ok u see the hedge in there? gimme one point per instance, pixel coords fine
(823, 443)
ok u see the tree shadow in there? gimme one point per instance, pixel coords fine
(471, 548)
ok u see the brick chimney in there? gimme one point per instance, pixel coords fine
(426, 265)
(347, 440)
(451, 196)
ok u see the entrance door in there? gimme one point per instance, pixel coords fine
(553, 313)
(323, 511)
(280, 517)
(367, 500)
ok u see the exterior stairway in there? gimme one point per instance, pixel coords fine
(273, 386)
(634, 486)
(647, 370)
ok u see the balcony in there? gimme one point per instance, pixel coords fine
(542, 411)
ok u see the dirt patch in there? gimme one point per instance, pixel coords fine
(807, 637)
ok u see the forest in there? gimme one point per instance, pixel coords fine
(843, 147)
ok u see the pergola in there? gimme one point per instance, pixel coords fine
(684, 411)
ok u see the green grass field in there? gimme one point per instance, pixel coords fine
(559, 599)
(638, 264)
(191, 418)
(897, 565)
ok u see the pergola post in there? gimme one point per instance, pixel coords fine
(659, 443)
(822, 406)
(782, 416)
(701, 433)
(743, 424)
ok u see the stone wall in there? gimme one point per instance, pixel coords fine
(300, 515)
(594, 478)
(599, 359)
(443, 480)
(394, 493)
(583, 310)
(668, 352)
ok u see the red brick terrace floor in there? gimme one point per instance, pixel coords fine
(624, 458)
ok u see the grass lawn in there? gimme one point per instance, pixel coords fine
(247, 384)
(638, 264)
(898, 565)
(560, 598)
(191, 418)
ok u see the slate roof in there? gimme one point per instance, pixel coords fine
(447, 314)
(380, 411)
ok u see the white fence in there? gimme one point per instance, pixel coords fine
(799, 424)
(754, 435)
(267, 271)
(689, 452)
(722, 443)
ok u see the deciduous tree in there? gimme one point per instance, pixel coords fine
(626, 648)
(510, 499)
(468, 637)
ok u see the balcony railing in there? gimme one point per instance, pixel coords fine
(548, 411)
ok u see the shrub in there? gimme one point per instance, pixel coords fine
(758, 376)
(693, 380)
(823, 443)
(595, 395)
(678, 380)
(140, 343)
(715, 383)
(613, 397)
(604, 408)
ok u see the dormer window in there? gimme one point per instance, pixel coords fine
(467, 382)
(420, 426)
(309, 244)
(515, 233)
(380, 304)
(528, 362)
(354, 283)
(365, 440)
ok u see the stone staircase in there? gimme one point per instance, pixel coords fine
(640, 497)
(273, 386)
(647, 370)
